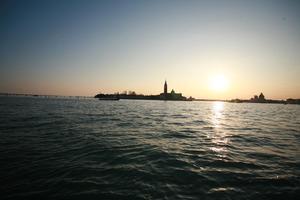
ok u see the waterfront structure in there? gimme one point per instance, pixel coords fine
(165, 88)
(261, 97)
(172, 95)
(258, 99)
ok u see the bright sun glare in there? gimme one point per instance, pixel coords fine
(219, 83)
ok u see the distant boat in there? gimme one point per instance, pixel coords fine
(109, 99)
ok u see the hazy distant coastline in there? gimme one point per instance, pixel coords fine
(42, 95)
(154, 97)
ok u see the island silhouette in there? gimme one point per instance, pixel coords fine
(173, 96)
(261, 99)
(165, 95)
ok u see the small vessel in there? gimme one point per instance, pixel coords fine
(109, 99)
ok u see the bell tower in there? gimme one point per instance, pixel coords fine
(165, 88)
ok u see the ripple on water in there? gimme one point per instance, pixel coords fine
(84, 148)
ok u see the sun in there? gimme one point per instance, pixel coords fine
(219, 83)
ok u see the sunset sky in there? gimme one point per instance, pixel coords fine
(205, 49)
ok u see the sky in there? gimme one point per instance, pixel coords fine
(206, 49)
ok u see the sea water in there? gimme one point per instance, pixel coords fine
(73, 148)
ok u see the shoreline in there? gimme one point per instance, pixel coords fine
(267, 101)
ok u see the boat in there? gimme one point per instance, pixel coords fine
(109, 99)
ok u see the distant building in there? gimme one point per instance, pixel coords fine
(165, 88)
(258, 99)
(132, 95)
(171, 96)
(261, 97)
(293, 101)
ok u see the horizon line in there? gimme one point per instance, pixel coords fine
(83, 96)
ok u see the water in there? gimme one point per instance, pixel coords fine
(89, 149)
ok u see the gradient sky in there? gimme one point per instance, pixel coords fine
(84, 47)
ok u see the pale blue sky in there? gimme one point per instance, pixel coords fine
(83, 47)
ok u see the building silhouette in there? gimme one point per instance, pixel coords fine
(258, 99)
(261, 97)
(165, 88)
(170, 96)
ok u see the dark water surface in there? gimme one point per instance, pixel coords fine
(90, 149)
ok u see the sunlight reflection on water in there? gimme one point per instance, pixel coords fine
(77, 149)
(218, 137)
(217, 109)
